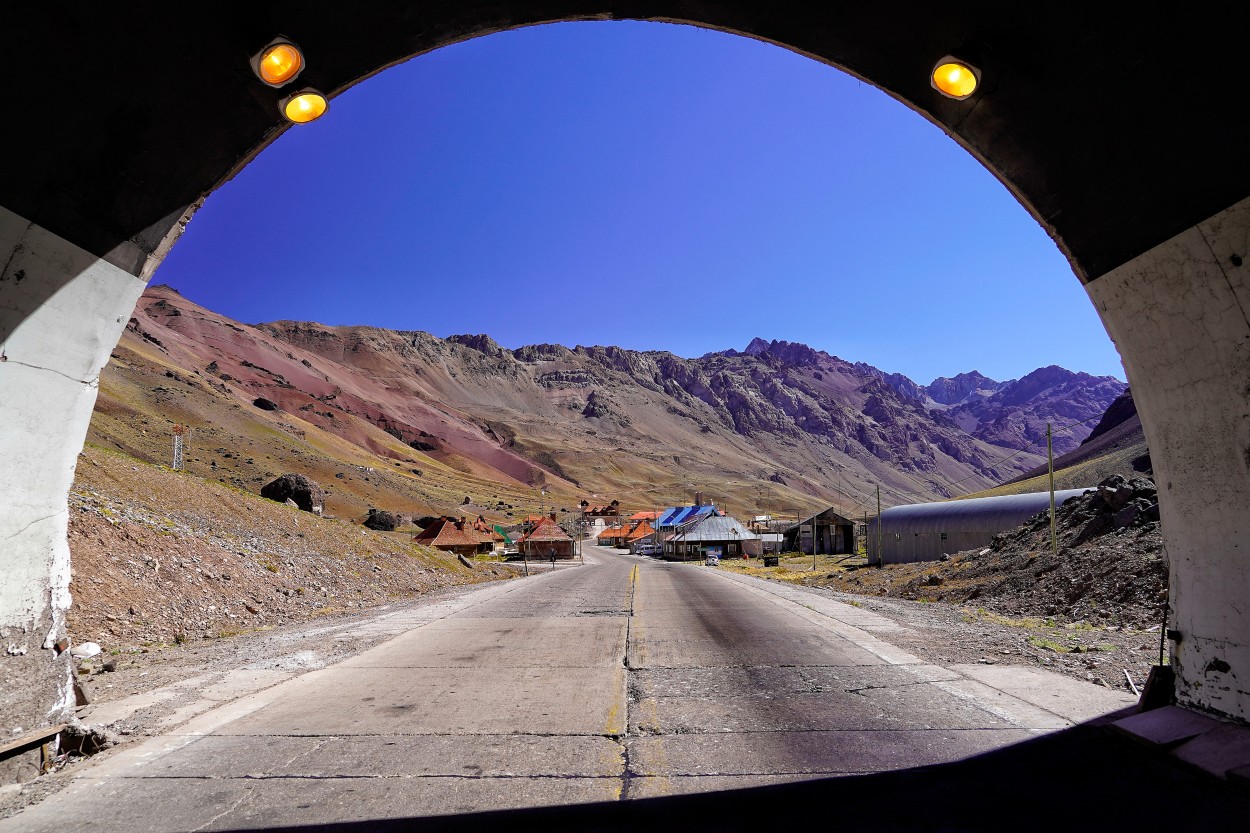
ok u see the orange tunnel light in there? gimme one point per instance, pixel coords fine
(954, 78)
(304, 106)
(280, 63)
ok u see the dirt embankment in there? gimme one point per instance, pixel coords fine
(1110, 568)
(163, 557)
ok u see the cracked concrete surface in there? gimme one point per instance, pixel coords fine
(685, 680)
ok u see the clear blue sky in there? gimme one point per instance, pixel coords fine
(651, 186)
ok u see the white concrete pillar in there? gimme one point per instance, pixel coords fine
(1180, 315)
(62, 311)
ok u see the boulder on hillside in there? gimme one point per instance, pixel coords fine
(381, 520)
(265, 404)
(307, 495)
(596, 406)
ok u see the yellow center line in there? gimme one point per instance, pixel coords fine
(649, 710)
(615, 723)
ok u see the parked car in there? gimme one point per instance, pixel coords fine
(645, 548)
(713, 560)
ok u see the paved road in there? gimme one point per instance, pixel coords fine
(622, 679)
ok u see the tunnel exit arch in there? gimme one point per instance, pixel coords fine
(1135, 170)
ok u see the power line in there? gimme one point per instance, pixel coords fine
(950, 486)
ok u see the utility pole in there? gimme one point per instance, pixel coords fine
(813, 543)
(865, 535)
(1050, 471)
(880, 555)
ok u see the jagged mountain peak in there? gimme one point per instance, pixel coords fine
(757, 346)
(957, 389)
(792, 353)
(479, 342)
(1013, 413)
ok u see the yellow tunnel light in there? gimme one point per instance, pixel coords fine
(954, 78)
(278, 63)
(304, 106)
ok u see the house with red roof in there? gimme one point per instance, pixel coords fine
(626, 533)
(641, 530)
(546, 540)
(449, 534)
(491, 537)
(608, 510)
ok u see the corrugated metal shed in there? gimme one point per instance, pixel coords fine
(825, 532)
(927, 531)
(717, 528)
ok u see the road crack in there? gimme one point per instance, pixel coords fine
(630, 688)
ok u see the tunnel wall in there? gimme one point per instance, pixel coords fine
(1104, 193)
(1180, 316)
(62, 311)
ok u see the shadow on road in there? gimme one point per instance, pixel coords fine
(1084, 778)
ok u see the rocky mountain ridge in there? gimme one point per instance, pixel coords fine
(1014, 413)
(779, 424)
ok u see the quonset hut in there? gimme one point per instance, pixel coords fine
(927, 531)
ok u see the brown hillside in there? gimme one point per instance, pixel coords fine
(783, 428)
(162, 557)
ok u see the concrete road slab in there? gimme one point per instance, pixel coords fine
(919, 706)
(392, 756)
(717, 681)
(822, 753)
(175, 805)
(1056, 693)
(350, 701)
(282, 802)
(777, 713)
(1011, 709)
(766, 681)
(516, 643)
(215, 756)
(861, 677)
(928, 706)
(660, 648)
(519, 698)
(856, 617)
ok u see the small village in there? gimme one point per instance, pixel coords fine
(699, 531)
(703, 532)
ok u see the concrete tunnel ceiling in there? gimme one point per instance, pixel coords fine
(130, 113)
